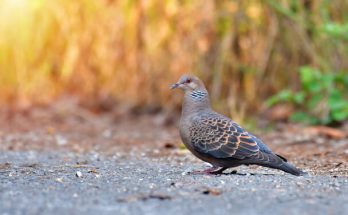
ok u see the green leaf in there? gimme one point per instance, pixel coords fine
(340, 115)
(299, 97)
(315, 87)
(310, 79)
(327, 80)
(335, 101)
(336, 30)
(339, 105)
(307, 74)
(300, 116)
(313, 101)
(282, 96)
(345, 80)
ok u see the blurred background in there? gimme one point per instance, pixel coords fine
(88, 122)
(285, 59)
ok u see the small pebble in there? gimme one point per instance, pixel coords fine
(78, 174)
(60, 180)
(107, 133)
(60, 140)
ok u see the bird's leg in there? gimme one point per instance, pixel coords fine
(211, 171)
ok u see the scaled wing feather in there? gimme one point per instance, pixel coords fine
(222, 138)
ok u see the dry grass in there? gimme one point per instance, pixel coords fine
(132, 50)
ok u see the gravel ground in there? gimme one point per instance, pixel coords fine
(66, 160)
(136, 182)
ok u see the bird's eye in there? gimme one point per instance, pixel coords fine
(188, 81)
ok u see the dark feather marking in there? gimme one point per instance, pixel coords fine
(283, 158)
(232, 139)
(246, 139)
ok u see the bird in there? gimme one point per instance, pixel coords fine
(217, 139)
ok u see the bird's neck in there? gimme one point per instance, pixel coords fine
(194, 101)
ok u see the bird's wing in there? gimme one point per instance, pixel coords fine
(222, 138)
(263, 147)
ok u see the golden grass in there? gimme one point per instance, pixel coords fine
(132, 50)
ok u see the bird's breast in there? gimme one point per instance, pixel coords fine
(187, 140)
(184, 132)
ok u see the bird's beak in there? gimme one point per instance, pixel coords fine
(174, 86)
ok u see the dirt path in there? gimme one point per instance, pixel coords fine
(68, 161)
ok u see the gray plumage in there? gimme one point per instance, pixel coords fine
(216, 139)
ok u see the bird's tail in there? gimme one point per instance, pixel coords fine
(279, 162)
(289, 168)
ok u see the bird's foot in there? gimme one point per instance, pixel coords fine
(211, 171)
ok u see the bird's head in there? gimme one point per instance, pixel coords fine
(189, 83)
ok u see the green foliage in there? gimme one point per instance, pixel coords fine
(336, 30)
(322, 98)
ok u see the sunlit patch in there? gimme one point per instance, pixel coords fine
(13, 11)
(10, 10)
(14, 5)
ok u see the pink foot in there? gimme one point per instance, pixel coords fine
(211, 171)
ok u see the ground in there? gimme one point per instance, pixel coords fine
(64, 159)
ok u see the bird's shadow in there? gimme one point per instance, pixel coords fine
(234, 172)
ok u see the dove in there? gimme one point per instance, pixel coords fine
(217, 139)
